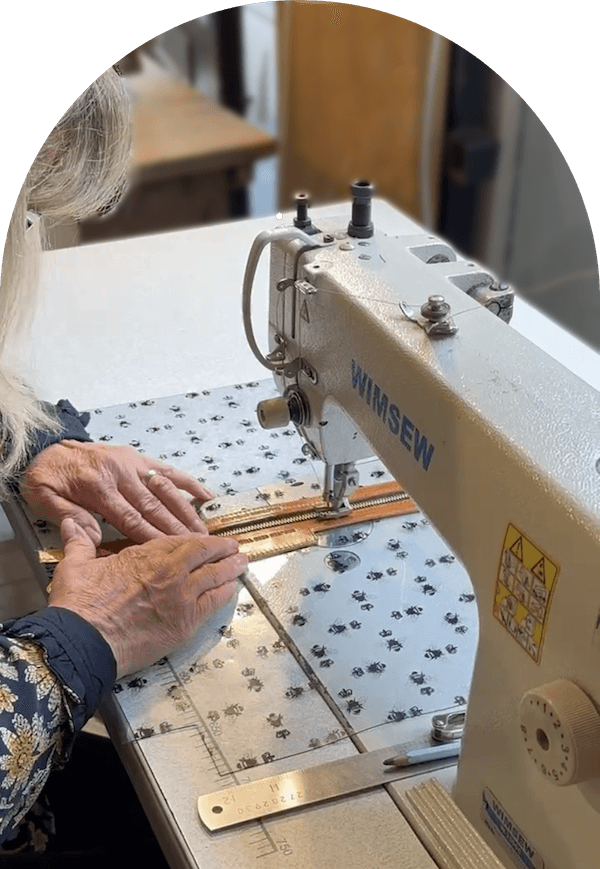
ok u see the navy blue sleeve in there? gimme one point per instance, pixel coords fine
(73, 428)
(75, 652)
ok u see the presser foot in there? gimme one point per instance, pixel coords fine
(340, 482)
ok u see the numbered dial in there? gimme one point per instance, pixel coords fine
(561, 729)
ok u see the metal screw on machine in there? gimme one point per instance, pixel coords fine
(497, 297)
(436, 311)
(449, 726)
(435, 308)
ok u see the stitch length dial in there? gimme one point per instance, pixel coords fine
(560, 727)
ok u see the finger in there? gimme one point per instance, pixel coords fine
(55, 508)
(168, 493)
(214, 599)
(215, 574)
(126, 518)
(150, 507)
(185, 482)
(198, 551)
(78, 545)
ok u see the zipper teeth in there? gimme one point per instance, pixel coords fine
(303, 516)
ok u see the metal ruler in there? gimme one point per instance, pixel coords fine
(304, 787)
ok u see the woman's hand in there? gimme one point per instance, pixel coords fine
(149, 599)
(73, 480)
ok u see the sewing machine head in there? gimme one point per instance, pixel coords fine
(352, 257)
(390, 346)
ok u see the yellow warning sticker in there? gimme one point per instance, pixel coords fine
(526, 581)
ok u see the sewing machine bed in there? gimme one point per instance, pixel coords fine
(350, 645)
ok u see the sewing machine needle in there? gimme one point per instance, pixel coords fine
(423, 755)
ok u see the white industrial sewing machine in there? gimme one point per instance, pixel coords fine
(390, 346)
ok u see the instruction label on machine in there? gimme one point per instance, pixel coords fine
(508, 834)
(524, 588)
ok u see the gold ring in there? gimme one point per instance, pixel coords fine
(150, 474)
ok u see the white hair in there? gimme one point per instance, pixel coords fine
(80, 171)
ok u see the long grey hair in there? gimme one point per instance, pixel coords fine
(80, 171)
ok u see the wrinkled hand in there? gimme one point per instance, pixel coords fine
(73, 480)
(149, 599)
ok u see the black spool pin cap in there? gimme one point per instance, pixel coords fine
(361, 225)
(302, 219)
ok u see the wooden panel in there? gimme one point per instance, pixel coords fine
(189, 157)
(353, 82)
(177, 130)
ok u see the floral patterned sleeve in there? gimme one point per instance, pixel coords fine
(55, 669)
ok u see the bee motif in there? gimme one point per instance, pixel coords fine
(337, 628)
(397, 715)
(376, 667)
(143, 732)
(234, 711)
(374, 575)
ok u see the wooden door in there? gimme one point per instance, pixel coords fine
(353, 87)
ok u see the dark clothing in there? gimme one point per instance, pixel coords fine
(55, 669)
